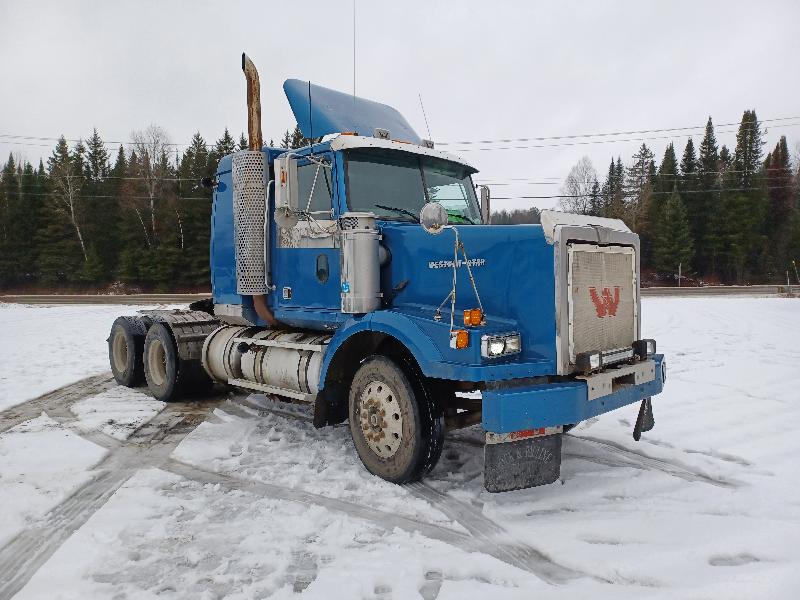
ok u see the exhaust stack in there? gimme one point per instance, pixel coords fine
(250, 175)
(253, 103)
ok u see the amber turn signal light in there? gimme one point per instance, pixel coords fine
(473, 317)
(459, 339)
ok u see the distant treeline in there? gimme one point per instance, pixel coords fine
(730, 216)
(89, 219)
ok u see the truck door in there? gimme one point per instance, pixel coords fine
(306, 272)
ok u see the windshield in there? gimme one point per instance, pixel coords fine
(395, 185)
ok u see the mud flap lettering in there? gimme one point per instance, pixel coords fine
(524, 463)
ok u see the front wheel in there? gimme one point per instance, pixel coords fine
(396, 427)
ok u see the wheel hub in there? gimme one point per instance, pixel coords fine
(381, 419)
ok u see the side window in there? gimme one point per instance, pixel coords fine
(320, 192)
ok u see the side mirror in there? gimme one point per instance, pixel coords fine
(286, 193)
(486, 208)
(433, 218)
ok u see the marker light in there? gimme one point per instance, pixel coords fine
(644, 348)
(473, 317)
(588, 361)
(459, 339)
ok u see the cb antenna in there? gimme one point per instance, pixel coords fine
(422, 106)
(310, 120)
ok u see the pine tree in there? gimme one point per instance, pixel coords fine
(195, 164)
(705, 202)
(751, 250)
(639, 180)
(778, 175)
(101, 213)
(62, 246)
(242, 142)
(596, 200)
(673, 245)
(688, 179)
(10, 215)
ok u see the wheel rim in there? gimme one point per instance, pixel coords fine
(157, 362)
(381, 419)
(119, 352)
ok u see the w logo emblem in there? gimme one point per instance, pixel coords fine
(604, 304)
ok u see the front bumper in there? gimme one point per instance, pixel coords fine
(507, 410)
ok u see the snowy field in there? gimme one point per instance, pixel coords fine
(106, 493)
(45, 347)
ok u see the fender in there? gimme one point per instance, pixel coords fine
(394, 324)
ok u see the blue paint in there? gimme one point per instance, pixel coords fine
(330, 111)
(532, 406)
(513, 268)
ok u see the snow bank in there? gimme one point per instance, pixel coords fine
(41, 464)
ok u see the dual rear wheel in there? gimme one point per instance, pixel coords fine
(139, 354)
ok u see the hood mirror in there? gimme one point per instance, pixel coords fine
(433, 218)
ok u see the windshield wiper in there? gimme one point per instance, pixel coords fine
(398, 210)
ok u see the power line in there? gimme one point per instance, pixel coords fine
(681, 192)
(592, 142)
(608, 134)
(669, 176)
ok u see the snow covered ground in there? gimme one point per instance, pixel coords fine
(44, 347)
(242, 498)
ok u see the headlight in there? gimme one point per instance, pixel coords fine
(493, 346)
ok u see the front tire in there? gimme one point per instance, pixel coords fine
(396, 427)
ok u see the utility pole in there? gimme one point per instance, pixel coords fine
(679, 274)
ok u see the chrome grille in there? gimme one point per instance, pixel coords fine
(249, 206)
(602, 298)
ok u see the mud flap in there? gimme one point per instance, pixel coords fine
(645, 421)
(525, 463)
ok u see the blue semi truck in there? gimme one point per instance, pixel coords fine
(361, 274)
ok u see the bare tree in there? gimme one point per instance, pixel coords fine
(151, 146)
(66, 179)
(578, 187)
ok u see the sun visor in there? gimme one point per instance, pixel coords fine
(320, 111)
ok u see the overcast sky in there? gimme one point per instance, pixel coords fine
(485, 70)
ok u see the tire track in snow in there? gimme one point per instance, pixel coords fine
(493, 539)
(383, 519)
(149, 446)
(63, 397)
(618, 455)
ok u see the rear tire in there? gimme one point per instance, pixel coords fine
(396, 426)
(125, 350)
(161, 364)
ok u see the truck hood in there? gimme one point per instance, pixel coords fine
(513, 270)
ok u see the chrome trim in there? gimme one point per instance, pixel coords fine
(602, 383)
(562, 236)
